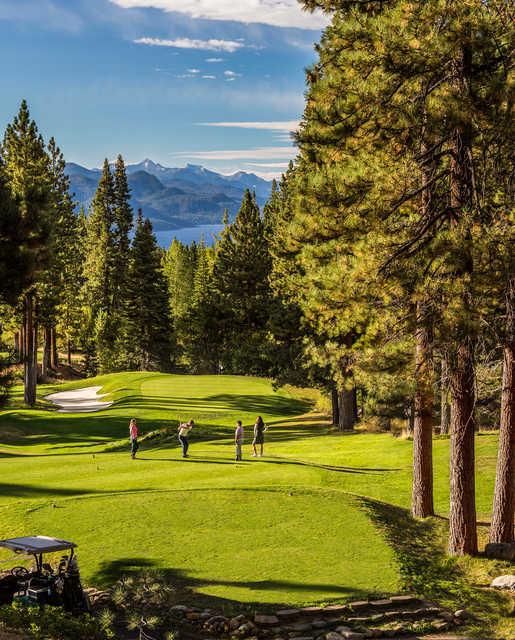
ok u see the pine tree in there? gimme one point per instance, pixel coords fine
(123, 222)
(98, 272)
(397, 152)
(62, 243)
(148, 332)
(241, 269)
(26, 168)
(14, 270)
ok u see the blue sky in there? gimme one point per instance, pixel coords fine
(174, 80)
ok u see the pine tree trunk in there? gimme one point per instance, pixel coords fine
(29, 368)
(422, 489)
(22, 343)
(17, 346)
(462, 520)
(411, 419)
(69, 352)
(45, 363)
(445, 407)
(54, 356)
(504, 493)
(335, 407)
(346, 404)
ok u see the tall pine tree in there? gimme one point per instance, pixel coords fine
(26, 168)
(148, 329)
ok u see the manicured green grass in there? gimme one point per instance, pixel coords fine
(292, 527)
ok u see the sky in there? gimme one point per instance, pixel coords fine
(214, 82)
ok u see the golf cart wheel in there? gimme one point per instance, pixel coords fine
(20, 572)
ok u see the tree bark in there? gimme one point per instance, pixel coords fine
(17, 346)
(411, 420)
(501, 529)
(54, 356)
(346, 406)
(422, 489)
(22, 342)
(45, 363)
(462, 519)
(29, 362)
(445, 406)
(335, 407)
(69, 352)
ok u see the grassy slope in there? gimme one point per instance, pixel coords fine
(290, 528)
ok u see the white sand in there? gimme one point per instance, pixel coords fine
(79, 401)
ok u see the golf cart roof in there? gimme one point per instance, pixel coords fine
(36, 544)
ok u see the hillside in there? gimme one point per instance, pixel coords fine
(175, 197)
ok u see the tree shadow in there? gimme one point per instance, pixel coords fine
(427, 570)
(187, 586)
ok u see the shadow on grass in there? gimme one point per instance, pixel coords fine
(15, 490)
(62, 429)
(187, 586)
(427, 570)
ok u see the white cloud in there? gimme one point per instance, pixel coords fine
(259, 153)
(208, 77)
(193, 70)
(214, 60)
(278, 13)
(287, 125)
(186, 43)
(268, 165)
(231, 74)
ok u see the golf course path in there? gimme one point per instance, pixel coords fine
(79, 401)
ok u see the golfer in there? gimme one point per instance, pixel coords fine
(184, 430)
(133, 435)
(259, 436)
(238, 440)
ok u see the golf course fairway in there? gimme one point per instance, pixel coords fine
(306, 523)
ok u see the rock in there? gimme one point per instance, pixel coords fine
(300, 626)
(359, 604)
(440, 625)
(180, 608)
(286, 614)
(319, 624)
(504, 582)
(406, 599)
(236, 622)
(336, 608)
(500, 550)
(461, 614)
(245, 629)
(193, 615)
(353, 635)
(311, 611)
(332, 635)
(343, 629)
(266, 621)
(386, 602)
(447, 616)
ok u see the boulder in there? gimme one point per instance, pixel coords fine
(504, 582)
(500, 550)
(332, 635)
(266, 621)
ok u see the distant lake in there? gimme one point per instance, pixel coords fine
(187, 235)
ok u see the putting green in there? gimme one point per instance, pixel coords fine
(287, 528)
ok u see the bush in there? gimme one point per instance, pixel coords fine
(51, 623)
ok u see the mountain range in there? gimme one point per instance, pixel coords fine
(174, 198)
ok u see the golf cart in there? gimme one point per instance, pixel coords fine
(43, 584)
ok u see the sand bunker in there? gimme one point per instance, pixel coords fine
(79, 401)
